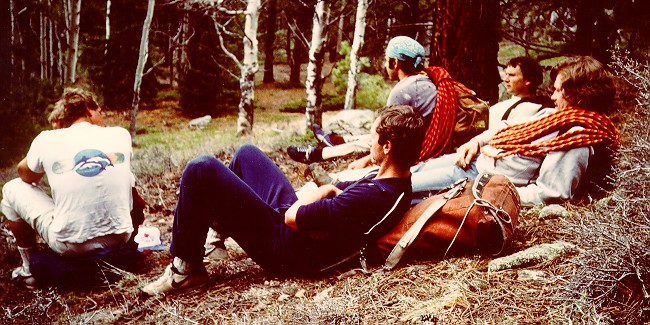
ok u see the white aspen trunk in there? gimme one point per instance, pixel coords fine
(51, 37)
(108, 25)
(312, 111)
(12, 41)
(142, 59)
(73, 40)
(50, 48)
(43, 46)
(183, 61)
(357, 43)
(72, 14)
(248, 69)
(66, 18)
(339, 35)
(60, 60)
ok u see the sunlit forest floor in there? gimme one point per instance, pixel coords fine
(452, 291)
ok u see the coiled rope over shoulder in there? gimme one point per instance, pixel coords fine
(438, 134)
(516, 139)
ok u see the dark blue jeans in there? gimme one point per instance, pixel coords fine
(247, 200)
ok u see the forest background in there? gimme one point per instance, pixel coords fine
(204, 53)
(152, 64)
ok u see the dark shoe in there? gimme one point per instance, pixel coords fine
(329, 139)
(305, 155)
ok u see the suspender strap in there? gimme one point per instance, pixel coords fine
(506, 114)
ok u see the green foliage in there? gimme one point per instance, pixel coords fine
(341, 68)
(373, 91)
(169, 94)
(26, 112)
(331, 102)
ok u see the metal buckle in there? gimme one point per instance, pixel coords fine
(456, 189)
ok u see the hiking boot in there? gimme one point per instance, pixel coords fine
(172, 280)
(25, 278)
(305, 155)
(329, 139)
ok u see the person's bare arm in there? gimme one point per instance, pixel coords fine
(26, 174)
(325, 191)
(360, 163)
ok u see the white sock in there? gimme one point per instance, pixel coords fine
(25, 254)
(182, 266)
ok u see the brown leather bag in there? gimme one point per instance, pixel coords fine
(473, 217)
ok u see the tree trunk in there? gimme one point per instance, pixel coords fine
(249, 68)
(183, 62)
(42, 45)
(299, 50)
(73, 18)
(269, 40)
(357, 43)
(142, 59)
(50, 41)
(313, 113)
(6, 50)
(287, 48)
(108, 26)
(339, 33)
(466, 43)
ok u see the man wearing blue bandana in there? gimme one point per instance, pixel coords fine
(88, 168)
(404, 63)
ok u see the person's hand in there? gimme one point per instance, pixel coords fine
(360, 163)
(466, 153)
(322, 192)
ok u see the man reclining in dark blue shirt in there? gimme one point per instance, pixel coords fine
(253, 202)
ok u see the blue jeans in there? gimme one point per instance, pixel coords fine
(439, 173)
(246, 200)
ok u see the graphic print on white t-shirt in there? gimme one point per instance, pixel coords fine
(88, 162)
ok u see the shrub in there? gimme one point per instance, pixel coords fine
(25, 115)
(341, 68)
(373, 91)
(613, 268)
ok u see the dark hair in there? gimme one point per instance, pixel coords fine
(404, 129)
(408, 65)
(73, 105)
(530, 70)
(586, 83)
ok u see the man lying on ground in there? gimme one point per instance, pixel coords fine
(253, 202)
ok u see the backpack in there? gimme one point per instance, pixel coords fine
(471, 115)
(473, 217)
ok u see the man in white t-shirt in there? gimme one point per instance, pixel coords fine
(523, 76)
(88, 167)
